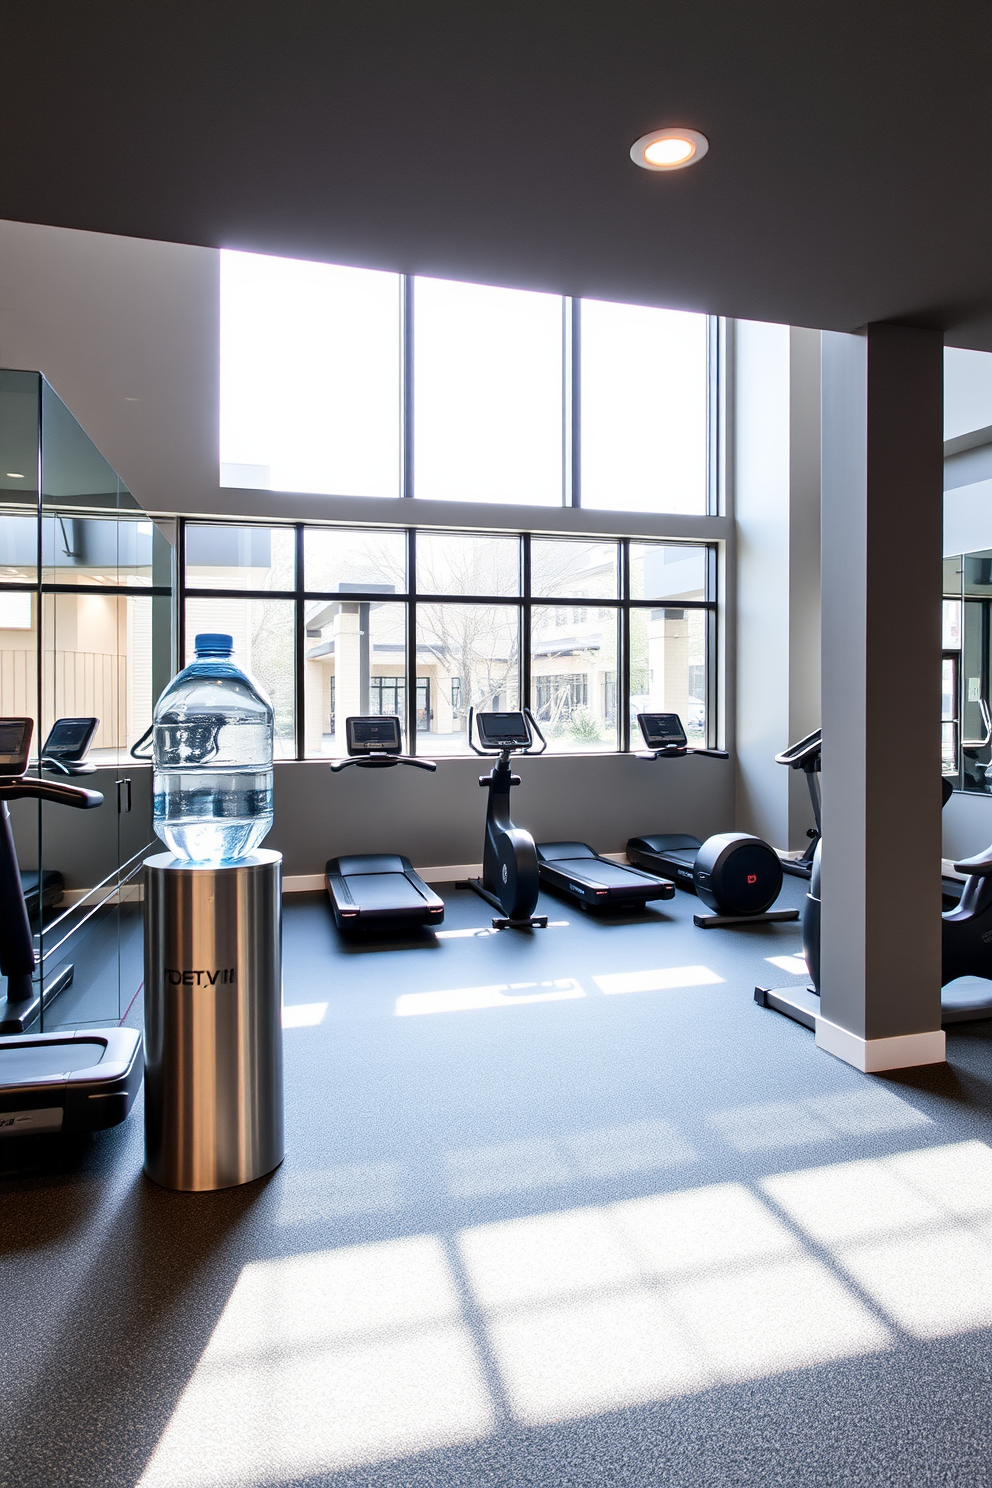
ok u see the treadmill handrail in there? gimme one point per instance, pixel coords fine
(382, 761)
(50, 790)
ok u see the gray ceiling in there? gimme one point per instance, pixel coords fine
(848, 177)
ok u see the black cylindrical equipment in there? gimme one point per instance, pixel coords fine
(737, 874)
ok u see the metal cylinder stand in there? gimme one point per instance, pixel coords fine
(213, 1021)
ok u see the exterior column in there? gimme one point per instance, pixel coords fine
(881, 589)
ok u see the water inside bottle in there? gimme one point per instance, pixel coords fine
(213, 760)
(213, 816)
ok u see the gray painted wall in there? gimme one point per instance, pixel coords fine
(434, 820)
(126, 332)
(438, 819)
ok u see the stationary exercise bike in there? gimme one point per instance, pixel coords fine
(510, 879)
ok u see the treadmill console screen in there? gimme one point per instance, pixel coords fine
(503, 730)
(15, 745)
(379, 734)
(70, 738)
(662, 730)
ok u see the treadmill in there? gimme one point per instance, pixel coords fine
(379, 891)
(595, 882)
(77, 1081)
(63, 752)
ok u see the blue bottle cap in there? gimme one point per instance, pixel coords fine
(214, 645)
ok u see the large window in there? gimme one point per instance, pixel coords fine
(353, 382)
(339, 621)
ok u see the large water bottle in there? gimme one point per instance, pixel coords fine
(213, 758)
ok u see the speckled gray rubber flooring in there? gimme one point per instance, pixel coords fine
(596, 1232)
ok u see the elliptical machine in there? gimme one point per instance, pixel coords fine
(805, 756)
(510, 879)
(966, 948)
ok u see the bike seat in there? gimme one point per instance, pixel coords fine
(980, 866)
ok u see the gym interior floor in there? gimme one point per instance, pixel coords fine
(559, 1207)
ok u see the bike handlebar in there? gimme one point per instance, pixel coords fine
(380, 761)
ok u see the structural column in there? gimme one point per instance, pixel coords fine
(881, 591)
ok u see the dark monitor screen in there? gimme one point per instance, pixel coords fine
(502, 729)
(15, 745)
(662, 730)
(375, 735)
(70, 738)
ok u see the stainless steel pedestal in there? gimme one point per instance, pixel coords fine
(213, 1021)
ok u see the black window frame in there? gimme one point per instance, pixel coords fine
(524, 602)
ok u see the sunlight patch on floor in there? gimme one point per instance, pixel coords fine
(325, 1361)
(482, 931)
(662, 980)
(820, 1118)
(914, 1231)
(541, 1162)
(598, 1309)
(502, 994)
(338, 1359)
(794, 965)
(303, 1014)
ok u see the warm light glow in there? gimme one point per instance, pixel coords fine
(14, 475)
(669, 149)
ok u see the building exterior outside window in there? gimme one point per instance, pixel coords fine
(339, 621)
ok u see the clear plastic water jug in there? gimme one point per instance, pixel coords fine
(212, 737)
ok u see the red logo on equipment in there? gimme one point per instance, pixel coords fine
(752, 878)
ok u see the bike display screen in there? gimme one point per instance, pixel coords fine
(15, 743)
(662, 730)
(69, 738)
(375, 735)
(502, 730)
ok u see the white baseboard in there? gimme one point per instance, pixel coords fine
(905, 1051)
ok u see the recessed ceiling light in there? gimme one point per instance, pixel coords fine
(14, 475)
(669, 149)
